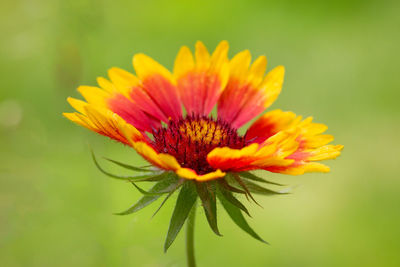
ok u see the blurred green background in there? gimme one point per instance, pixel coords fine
(341, 62)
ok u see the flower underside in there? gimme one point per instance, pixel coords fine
(190, 139)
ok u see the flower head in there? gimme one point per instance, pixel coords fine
(166, 118)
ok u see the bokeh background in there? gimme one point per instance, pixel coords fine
(341, 60)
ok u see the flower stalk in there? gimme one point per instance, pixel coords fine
(191, 262)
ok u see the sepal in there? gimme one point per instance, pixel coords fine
(147, 176)
(160, 192)
(181, 181)
(129, 167)
(237, 182)
(207, 194)
(167, 183)
(230, 197)
(260, 190)
(253, 177)
(186, 199)
(237, 217)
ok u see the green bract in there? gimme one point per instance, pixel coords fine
(224, 189)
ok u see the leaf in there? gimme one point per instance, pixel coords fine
(208, 199)
(186, 199)
(147, 200)
(251, 176)
(234, 201)
(146, 177)
(238, 218)
(126, 166)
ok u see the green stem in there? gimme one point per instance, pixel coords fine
(191, 262)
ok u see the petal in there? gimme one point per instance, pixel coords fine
(269, 124)
(94, 95)
(118, 101)
(257, 70)
(272, 85)
(124, 81)
(228, 159)
(74, 117)
(129, 86)
(110, 124)
(169, 163)
(106, 85)
(261, 97)
(271, 153)
(202, 56)
(325, 152)
(201, 82)
(104, 122)
(77, 104)
(298, 168)
(161, 160)
(159, 85)
(132, 113)
(312, 144)
(239, 65)
(184, 62)
(192, 175)
(247, 93)
(116, 98)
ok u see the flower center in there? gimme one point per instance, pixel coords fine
(190, 139)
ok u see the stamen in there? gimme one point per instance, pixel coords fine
(190, 139)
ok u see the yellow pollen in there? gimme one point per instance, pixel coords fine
(202, 131)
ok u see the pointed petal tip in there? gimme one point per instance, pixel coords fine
(136, 58)
(67, 114)
(199, 43)
(184, 48)
(280, 69)
(224, 43)
(222, 48)
(71, 100)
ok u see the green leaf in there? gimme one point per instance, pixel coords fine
(169, 181)
(207, 195)
(129, 167)
(238, 218)
(251, 176)
(186, 199)
(229, 197)
(146, 177)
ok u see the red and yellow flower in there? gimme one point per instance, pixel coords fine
(166, 117)
(192, 143)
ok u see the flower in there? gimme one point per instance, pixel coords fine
(166, 118)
